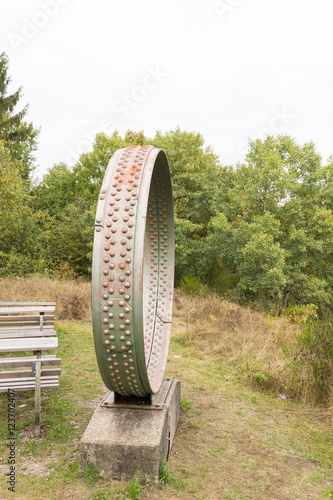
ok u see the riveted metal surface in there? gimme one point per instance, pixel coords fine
(133, 267)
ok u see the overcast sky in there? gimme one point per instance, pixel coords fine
(229, 69)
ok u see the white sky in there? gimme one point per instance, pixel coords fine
(229, 69)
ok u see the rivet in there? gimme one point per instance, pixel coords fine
(107, 342)
(98, 229)
(105, 284)
(105, 296)
(110, 302)
(111, 290)
(121, 290)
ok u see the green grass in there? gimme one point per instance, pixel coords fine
(233, 441)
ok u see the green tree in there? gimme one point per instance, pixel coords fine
(20, 246)
(275, 231)
(19, 136)
(69, 197)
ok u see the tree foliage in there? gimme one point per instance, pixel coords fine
(19, 136)
(262, 230)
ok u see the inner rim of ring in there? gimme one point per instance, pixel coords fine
(151, 271)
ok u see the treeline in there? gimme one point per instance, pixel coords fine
(260, 231)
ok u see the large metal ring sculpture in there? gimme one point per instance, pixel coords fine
(133, 267)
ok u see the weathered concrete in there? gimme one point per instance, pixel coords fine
(122, 442)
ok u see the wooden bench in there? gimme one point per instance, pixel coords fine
(26, 327)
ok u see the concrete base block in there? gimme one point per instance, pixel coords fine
(124, 441)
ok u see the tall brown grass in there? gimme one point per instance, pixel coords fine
(262, 347)
(72, 297)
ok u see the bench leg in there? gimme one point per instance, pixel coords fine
(37, 395)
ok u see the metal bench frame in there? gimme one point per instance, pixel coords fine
(29, 326)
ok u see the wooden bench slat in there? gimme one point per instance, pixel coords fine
(23, 309)
(43, 304)
(22, 334)
(28, 344)
(27, 317)
(51, 360)
(48, 372)
(30, 388)
(8, 325)
(49, 383)
(47, 360)
(35, 328)
(26, 380)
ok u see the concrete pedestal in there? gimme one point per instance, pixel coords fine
(124, 441)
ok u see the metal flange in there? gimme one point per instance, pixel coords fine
(133, 270)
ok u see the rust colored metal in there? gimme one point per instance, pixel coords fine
(133, 268)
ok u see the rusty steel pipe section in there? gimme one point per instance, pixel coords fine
(133, 269)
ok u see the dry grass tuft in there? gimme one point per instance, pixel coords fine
(72, 297)
(238, 335)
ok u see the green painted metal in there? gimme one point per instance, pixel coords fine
(133, 269)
